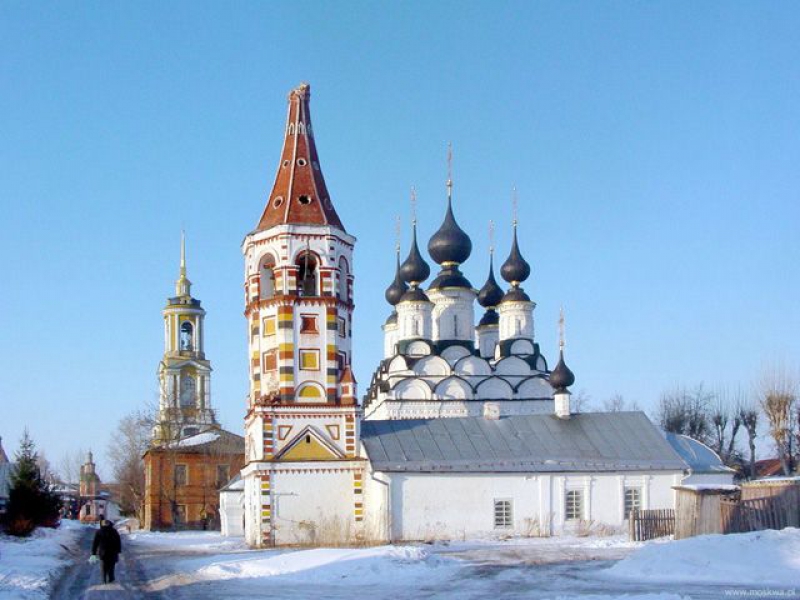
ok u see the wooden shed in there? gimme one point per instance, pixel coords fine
(697, 508)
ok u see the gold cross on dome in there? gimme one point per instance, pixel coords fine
(413, 206)
(449, 170)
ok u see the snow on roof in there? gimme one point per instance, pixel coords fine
(234, 485)
(703, 487)
(198, 440)
(699, 457)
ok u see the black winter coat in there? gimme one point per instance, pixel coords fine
(107, 544)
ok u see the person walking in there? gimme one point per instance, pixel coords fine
(107, 546)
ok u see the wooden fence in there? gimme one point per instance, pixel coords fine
(755, 514)
(646, 525)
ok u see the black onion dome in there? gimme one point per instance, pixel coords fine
(414, 268)
(397, 288)
(450, 277)
(561, 377)
(490, 294)
(516, 269)
(450, 244)
(415, 294)
(515, 294)
(490, 317)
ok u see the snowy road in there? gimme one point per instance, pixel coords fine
(83, 581)
(200, 566)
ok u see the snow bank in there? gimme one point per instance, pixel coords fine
(28, 565)
(761, 557)
(188, 541)
(365, 566)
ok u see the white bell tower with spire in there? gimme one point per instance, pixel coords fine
(184, 374)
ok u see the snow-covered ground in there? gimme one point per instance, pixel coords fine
(765, 557)
(206, 565)
(28, 565)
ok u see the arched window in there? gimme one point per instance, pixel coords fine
(455, 326)
(344, 271)
(187, 343)
(307, 275)
(266, 273)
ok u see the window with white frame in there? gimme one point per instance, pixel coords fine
(503, 516)
(573, 506)
(633, 500)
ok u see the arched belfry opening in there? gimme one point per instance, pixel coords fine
(187, 336)
(344, 272)
(307, 275)
(266, 275)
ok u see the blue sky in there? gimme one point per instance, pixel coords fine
(654, 145)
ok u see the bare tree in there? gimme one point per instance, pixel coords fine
(748, 414)
(69, 467)
(581, 401)
(777, 394)
(725, 422)
(125, 450)
(46, 470)
(617, 403)
(686, 411)
(614, 404)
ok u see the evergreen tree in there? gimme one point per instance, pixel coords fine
(31, 501)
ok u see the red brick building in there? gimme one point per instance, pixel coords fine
(183, 479)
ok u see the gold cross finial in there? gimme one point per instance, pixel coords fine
(514, 205)
(397, 235)
(561, 340)
(413, 206)
(183, 253)
(449, 170)
(491, 237)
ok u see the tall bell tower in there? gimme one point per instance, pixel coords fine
(184, 374)
(302, 469)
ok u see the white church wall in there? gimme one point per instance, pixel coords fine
(430, 506)
(315, 505)
(231, 513)
(453, 316)
(252, 510)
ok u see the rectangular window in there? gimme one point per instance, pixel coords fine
(270, 326)
(308, 324)
(342, 327)
(181, 475)
(270, 361)
(223, 475)
(503, 519)
(309, 360)
(633, 500)
(574, 505)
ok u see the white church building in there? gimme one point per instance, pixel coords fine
(464, 430)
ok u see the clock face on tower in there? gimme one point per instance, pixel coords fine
(187, 390)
